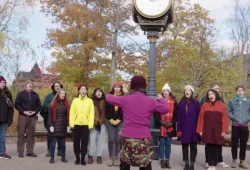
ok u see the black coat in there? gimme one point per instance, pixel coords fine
(6, 111)
(27, 102)
(112, 114)
(60, 125)
(158, 123)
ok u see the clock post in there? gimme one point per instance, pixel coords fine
(152, 37)
(153, 17)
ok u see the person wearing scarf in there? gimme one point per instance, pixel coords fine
(6, 115)
(187, 117)
(58, 122)
(114, 125)
(212, 126)
(98, 133)
(136, 144)
(166, 123)
(238, 112)
(55, 87)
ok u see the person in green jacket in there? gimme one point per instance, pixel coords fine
(55, 87)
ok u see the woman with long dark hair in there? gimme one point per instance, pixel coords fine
(212, 126)
(6, 115)
(58, 121)
(98, 133)
(167, 124)
(114, 125)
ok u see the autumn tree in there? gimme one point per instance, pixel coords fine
(79, 40)
(118, 14)
(185, 54)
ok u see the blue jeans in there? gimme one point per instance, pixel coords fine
(3, 128)
(165, 147)
(62, 145)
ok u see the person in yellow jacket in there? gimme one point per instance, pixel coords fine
(81, 120)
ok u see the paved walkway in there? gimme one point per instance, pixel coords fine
(42, 163)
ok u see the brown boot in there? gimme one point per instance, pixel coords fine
(234, 165)
(99, 160)
(111, 162)
(90, 161)
(243, 165)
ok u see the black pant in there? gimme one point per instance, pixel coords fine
(213, 153)
(239, 134)
(220, 154)
(125, 166)
(81, 138)
(193, 151)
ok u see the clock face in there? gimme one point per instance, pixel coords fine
(152, 8)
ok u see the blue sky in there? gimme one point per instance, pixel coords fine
(219, 10)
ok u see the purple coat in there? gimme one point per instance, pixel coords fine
(137, 110)
(187, 121)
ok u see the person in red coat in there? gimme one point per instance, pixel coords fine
(212, 126)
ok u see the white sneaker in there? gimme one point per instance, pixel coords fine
(223, 165)
(206, 165)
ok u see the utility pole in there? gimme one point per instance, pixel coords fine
(114, 48)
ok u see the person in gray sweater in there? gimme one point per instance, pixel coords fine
(239, 113)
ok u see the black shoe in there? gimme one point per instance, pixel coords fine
(163, 164)
(64, 160)
(83, 162)
(167, 165)
(20, 155)
(90, 161)
(77, 162)
(99, 160)
(52, 160)
(186, 167)
(59, 153)
(31, 155)
(191, 166)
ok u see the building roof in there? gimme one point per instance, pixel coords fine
(35, 75)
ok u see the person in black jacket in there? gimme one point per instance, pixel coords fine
(28, 105)
(58, 122)
(114, 125)
(167, 124)
(6, 115)
(56, 86)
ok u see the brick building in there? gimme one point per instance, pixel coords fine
(39, 79)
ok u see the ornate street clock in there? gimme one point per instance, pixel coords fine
(153, 14)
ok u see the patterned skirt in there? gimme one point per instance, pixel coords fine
(136, 152)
